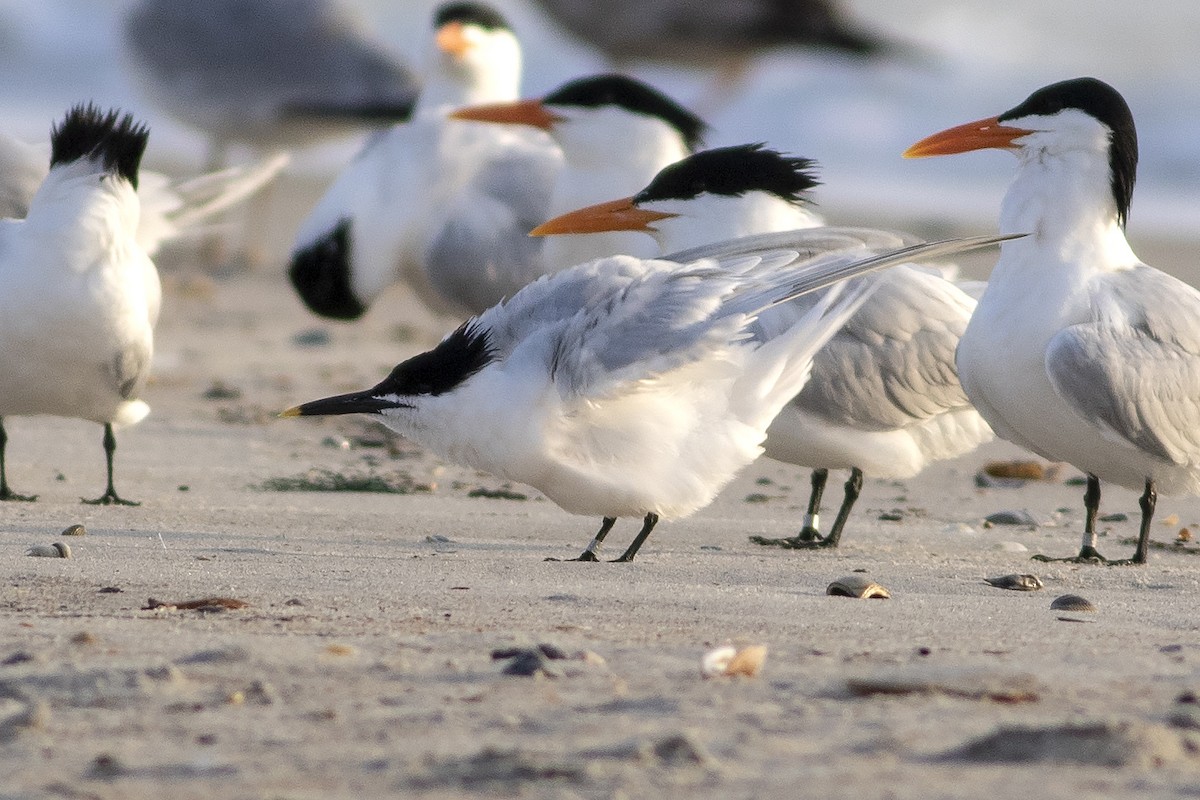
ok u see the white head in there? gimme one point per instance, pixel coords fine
(473, 57)
(712, 195)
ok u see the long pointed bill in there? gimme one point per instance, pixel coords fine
(964, 138)
(353, 403)
(615, 215)
(520, 112)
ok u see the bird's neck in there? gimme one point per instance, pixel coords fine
(1064, 202)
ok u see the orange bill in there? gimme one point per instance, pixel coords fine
(451, 38)
(964, 138)
(615, 215)
(521, 112)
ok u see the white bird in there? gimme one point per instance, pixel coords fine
(884, 395)
(273, 74)
(1078, 351)
(624, 387)
(616, 133)
(171, 209)
(78, 295)
(434, 190)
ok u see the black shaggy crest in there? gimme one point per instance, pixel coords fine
(733, 171)
(88, 132)
(321, 275)
(632, 95)
(1097, 98)
(470, 14)
(459, 356)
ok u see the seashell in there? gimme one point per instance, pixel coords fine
(716, 661)
(1021, 517)
(728, 660)
(1071, 602)
(857, 586)
(748, 661)
(74, 530)
(56, 550)
(1017, 583)
(1184, 536)
(1020, 470)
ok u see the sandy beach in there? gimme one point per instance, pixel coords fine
(358, 661)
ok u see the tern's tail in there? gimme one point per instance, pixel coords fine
(171, 209)
(780, 367)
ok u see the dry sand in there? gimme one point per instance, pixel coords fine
(361, 664)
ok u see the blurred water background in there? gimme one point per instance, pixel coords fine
(970, 59)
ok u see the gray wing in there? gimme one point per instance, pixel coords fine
(484, 253)
(1133, 369)
(892, 364)
(622, 319)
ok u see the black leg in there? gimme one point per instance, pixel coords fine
(801, 541)
(7, 493)
(853, 489)
(1148, 500)
(1088, 554)
(811, 532)
(110, 496)
(589, 553)
(647, 526)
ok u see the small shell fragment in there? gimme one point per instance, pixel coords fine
(1021, 470)
(1071, 602)
(74, 530)
(728, 660)
(857, 586)
(56, 550)
(1017, 583)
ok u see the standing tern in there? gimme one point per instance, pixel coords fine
(440, 204)
(273, 74)
(624, 387)
(884, 395)
(79, 295)
(170, 208)
(1078, 351)
(616, 133)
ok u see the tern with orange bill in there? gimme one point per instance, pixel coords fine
(884, 397)
(440, 204)
(1077, 350)
(615, 133)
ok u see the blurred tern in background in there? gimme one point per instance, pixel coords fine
(616, 133)
(436, 190)
(272, 74)
(78, 295)
(884, 395)
(725, 36)
(1078, 351)
(625, 387)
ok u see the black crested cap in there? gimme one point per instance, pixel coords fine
(321, 275)
(632, 95)
(459, 356)
(478, 14)
(1097, 98)
(88, 132)
(733, 171)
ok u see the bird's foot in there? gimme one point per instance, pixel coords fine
(1087, 555)
(9, 494)
(109, 498)
(797, 542)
